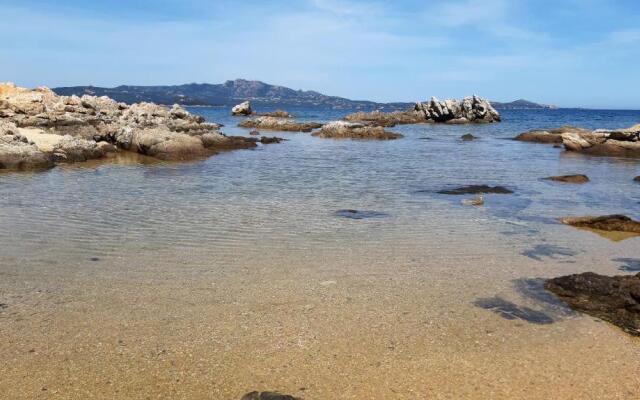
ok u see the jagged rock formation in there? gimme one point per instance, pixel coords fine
(470, 109)
(70, 129)
(279, 124)
(352, 130)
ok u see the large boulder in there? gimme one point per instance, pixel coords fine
(279, 124)
(243, 108)
(615, 299)
(353, 130)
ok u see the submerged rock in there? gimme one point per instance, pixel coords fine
(468, 110)
(359, 214)
(637, 179)
(243, 108)
(548, 135)
(615, 299)
(352, 130)
(279, 124)
(468, 137)
(578, 178)
(268, 396)
(610, 223)
(476, 189)
(270, 140)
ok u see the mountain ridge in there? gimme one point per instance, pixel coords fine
(259, 93)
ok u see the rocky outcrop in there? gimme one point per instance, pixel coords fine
(579, 178)
(279, 124)
(17, 153)
(80, 128)
(352, 130)
(243, 108)
(468, 110)
(618, 142)
(615, 299)
(610, 223)
(552, 136)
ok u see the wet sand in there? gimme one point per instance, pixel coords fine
(353, 323)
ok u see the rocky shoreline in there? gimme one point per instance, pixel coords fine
(39, 129)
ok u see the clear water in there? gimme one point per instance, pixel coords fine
(169, 248)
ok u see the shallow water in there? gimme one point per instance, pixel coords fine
(246, 271)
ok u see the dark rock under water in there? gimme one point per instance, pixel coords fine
(615, 299)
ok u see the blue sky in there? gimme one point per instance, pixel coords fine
(566, 52)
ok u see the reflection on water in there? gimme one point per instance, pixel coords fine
(211, 278)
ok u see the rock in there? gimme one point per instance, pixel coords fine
(72, 128)
(619, 142)
(268, 396)
(269, 140)
(17, 153)
(254, 133)
(615, 299)
(611, 223)
(468, 137)
(476, 189)
(359, 214)
(569, 178)
(548, 136)
(477, 201)
(470, 109)
(378, 118)
(352, 130)
(243, 108)
(277, 114)
(279, 124)
(637, 179)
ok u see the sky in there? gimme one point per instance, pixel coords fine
(572, 53)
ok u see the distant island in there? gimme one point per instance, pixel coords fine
(259, 93)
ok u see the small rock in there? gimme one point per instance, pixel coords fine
(569, 178)
(468, 137)
(254, 133)
(267, 396)
(476, 189)
(637, 179)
